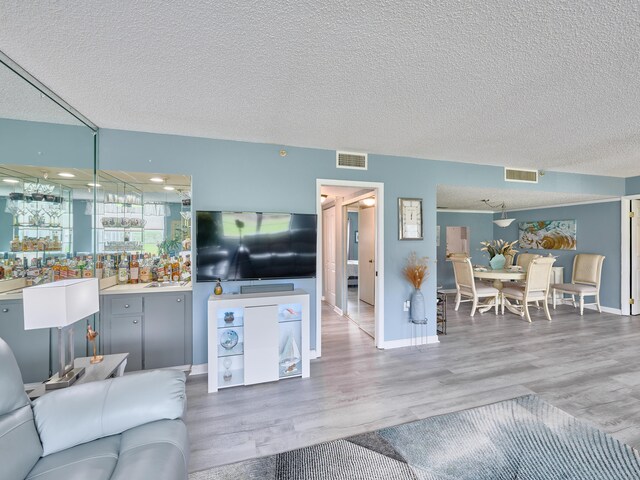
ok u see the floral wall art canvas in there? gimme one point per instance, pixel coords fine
(548, 235)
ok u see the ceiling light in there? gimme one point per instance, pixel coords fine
(156, 180)
(503, 221)
(66, 175)
(97, 185)
(369, 202)
(10, 180)
(169, 188)
(323, 198)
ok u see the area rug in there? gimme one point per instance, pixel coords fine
(523, 438)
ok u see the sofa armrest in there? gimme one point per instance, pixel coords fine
(83, 413)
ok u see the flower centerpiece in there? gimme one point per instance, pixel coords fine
(498, 250)
(416, 271)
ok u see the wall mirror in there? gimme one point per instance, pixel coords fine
(457, 239)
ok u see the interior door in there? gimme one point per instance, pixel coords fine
(329, 254)
(635, 257)
(366, 255)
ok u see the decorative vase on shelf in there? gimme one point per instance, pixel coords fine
(417, 311)
(497, 262)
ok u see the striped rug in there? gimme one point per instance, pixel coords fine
(523, 438)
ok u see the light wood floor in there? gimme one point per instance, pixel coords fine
(361, 312)
(586, 366)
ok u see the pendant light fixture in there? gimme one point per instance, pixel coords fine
(503, 221)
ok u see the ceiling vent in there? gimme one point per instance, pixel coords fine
(356, 161)
(519, 175)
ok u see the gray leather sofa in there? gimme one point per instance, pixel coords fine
(122, 428)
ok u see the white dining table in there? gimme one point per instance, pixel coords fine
(498, 277)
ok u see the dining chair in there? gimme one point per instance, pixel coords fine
(535, 288)
(523, 259)
(585, 281)
(466, 285)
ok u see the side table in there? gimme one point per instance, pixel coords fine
(111, 366)
(441, 313)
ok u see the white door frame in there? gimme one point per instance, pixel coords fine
(379, 293)
(625, 255)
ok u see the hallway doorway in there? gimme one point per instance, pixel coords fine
(356, 212)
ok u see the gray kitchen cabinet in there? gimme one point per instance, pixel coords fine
(155, 329)
(125, 335)
(30, 347)
(164, 330)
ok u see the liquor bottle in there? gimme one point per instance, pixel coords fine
(167, 269)
(109, 270)
(145, 269)
(99, 267)
(134, 269)
(56, 270)
(175, 270)
(64, 270)
(123, 270)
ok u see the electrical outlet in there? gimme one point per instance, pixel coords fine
(406, 305)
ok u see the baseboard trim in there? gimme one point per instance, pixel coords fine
(338, 310)
(313, 354)
(200, 369)
(615, 311)
(410, 342)
(567, 301)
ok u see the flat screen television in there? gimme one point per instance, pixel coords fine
(254, 245)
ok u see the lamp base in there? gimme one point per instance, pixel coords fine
(96, 359)
(66, 381)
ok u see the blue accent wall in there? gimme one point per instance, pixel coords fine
(230, 175)
(480, 229)
(353, 246)
(597, 231)
(82, 228)
(45, 144)
(632, 185)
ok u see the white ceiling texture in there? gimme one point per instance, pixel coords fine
(544, 85)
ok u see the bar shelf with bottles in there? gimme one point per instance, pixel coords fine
(127, 268)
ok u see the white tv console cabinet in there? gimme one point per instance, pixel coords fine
(256, 338)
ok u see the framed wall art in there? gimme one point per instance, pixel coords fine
(548, 235)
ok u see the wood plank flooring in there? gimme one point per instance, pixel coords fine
(587, 366)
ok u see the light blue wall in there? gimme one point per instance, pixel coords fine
(45, 144)
(480, 229)
(597, 231)
(632, 185)
(353, 246)
(82, 228)
(231, 175)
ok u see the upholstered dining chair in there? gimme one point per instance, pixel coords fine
(466, 285)
(535, 288)
(585, 281)
(523, 259)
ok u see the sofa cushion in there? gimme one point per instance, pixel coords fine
(158, 450)
(94, 460)
(13, 395)
(19, 443)
(100, 409)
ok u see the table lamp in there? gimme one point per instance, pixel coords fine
(61, 304)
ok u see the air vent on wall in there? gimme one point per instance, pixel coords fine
(519, 175)
(351, 160)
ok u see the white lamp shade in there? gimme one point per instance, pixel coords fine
(504, 222)
(59, 304)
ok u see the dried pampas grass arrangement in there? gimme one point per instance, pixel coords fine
(416, 269)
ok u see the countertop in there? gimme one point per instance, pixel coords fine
(115, 290)
(143, 288)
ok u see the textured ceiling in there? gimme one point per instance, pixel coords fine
(467, 198)
(21, 101)
(545, 84)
